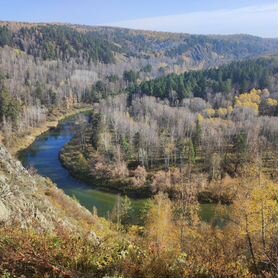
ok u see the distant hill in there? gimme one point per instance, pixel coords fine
(102, 44)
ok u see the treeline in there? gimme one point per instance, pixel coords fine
(54, 42)
(227, 79)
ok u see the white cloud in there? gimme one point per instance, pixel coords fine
(259, 20)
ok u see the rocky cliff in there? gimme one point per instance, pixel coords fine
(33, 201)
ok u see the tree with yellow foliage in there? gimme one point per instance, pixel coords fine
(222, 112)
(272, 102)
(253, 219)
(249, 100)
(209, 112)
(160, 229)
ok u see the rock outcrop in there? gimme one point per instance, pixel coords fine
(33, 201)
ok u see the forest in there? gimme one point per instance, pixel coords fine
(175, 120)
(197, 151)
(59, 42)
(236, 77)
(142, 129)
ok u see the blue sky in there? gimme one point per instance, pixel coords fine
(257, 17)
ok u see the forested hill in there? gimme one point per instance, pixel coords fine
(54, 42)
(237, 77)
(102, 44)
(196, 47)
(44, 67)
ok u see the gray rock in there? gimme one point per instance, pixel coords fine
(4, 213)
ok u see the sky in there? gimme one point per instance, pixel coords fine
(256, 17)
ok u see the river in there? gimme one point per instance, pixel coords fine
(43, 155)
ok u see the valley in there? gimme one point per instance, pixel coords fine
(128, 153)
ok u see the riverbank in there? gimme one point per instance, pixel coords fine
(78, 166)
(23, 142)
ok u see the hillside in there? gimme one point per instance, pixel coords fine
(29, 200)
(45, 233)
(85, 44)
